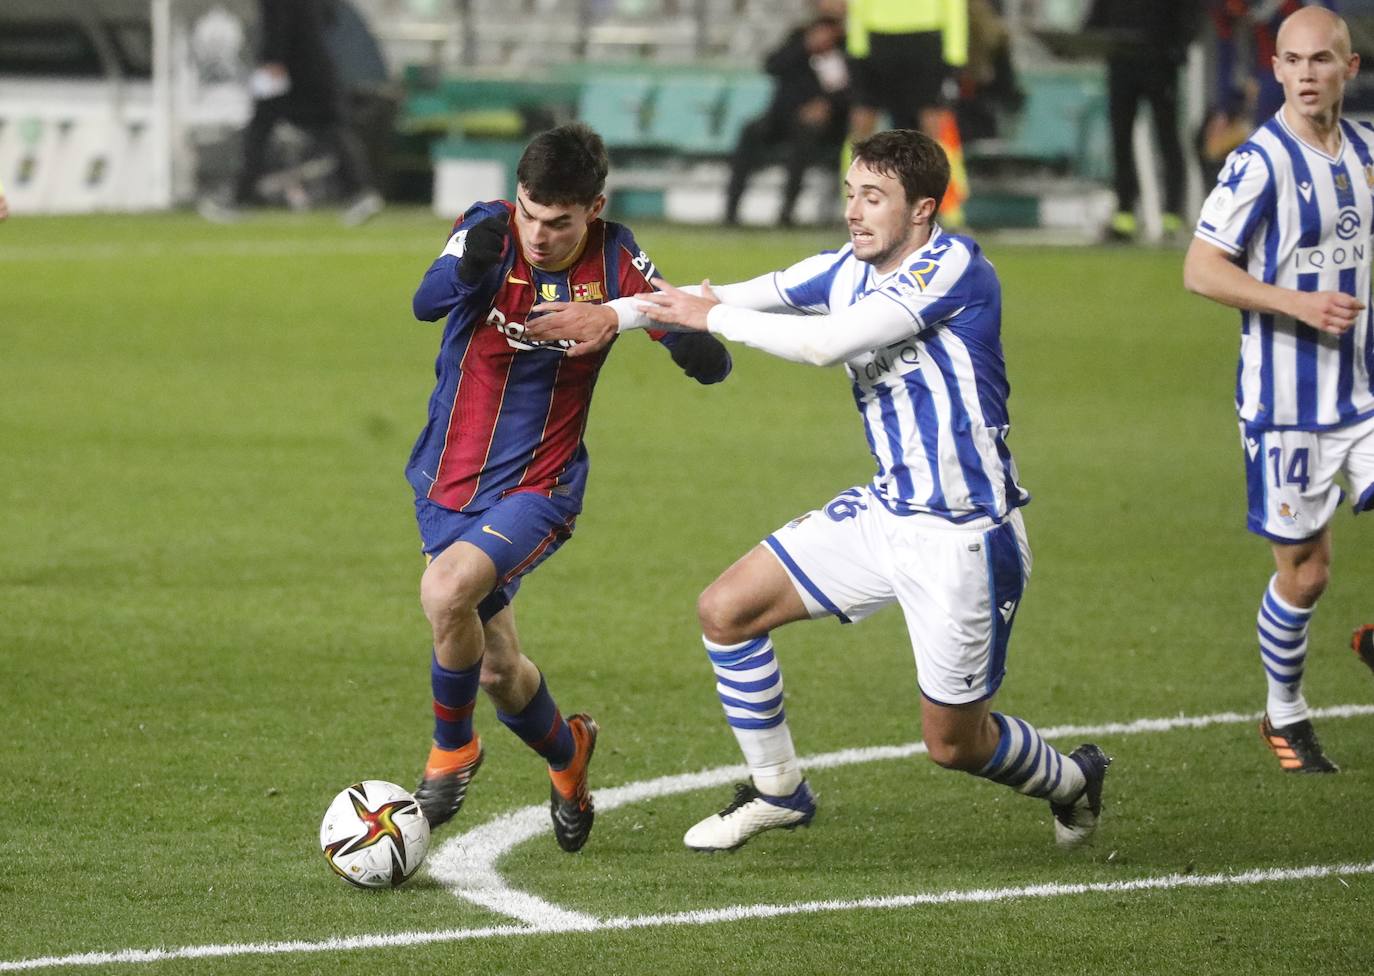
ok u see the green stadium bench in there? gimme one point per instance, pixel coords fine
(1062, 125)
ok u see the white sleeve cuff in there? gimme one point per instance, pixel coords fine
(627, 313)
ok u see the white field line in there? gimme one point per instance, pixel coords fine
(713, 916)
(478, 850)
(467, 863)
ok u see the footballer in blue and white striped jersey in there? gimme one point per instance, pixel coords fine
(1300, 219)
(934, 397)
(1285, 238)
(914, 313)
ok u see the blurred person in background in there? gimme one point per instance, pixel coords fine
(1152, 38)
(904, 56)
(4, 206)
(806, 118)
(296, 81)
(1246, 91)
(987, 85)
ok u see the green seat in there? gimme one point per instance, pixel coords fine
(686, 114)
(617, 106)
(745, 99)
(1060, 120)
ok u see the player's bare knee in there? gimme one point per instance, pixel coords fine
(446, 591)
(1304, 583)
(720, 616)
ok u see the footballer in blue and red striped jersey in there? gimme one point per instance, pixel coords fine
(500, 468)
(508, 414)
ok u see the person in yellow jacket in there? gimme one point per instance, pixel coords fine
(902, 52)
(903, 55)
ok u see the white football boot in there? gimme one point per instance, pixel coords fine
(750, 813)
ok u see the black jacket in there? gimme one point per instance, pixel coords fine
(1149, 29)
(795, 80)
(293, 34)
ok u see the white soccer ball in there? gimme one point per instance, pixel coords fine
(374, 835)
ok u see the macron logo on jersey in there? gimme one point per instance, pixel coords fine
(1305, 188)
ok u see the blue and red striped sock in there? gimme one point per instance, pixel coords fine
(542, 728)
(455, 694)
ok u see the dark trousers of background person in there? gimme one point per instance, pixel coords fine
(802, 145)
(1129, 82)
(333, 134)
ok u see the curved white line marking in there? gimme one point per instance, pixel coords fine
(467, 863)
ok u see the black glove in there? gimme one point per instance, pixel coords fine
(700, 355)
(482, 247)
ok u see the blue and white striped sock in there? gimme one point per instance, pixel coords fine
(1282, 630)
(750, 688)
(1030, 765)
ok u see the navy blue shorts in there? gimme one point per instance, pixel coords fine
(518, 533)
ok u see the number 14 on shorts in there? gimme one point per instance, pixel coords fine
(1291, 492)
(1297, 467)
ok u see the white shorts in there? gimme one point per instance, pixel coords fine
(1290, 477)
(959, 585)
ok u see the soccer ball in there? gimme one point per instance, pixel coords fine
(374, 835)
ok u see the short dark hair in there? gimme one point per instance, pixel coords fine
(564, 165)
(911, 157)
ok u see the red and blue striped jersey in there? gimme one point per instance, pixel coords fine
(507, 415)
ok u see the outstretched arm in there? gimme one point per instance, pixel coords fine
(592, 327)
(1210, 272)
(821, 340)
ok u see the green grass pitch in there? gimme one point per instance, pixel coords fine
(209, 625)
